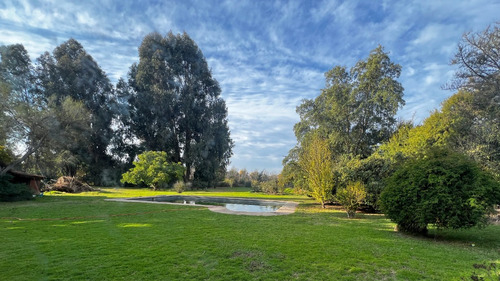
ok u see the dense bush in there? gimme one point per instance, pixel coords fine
(271, 187)
(153, 169)
(351, 197)
(13, 192)
(181, 186)
(372, 172)
(442, 188)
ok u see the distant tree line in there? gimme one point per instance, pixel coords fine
(67, 118)
(259, 181)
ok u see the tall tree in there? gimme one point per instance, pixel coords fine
(71, 72)
(355, 112)
(478, 61)
(32, 121)
(316, 162)
(176, 106)
(357, 108)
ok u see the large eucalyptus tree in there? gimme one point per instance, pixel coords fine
(176, 106)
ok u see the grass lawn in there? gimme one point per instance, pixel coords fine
(83, 237)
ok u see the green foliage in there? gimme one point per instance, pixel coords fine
(354, 113)
(13, 192)
(351, 197)
(444, 189)
(235, 178)
(372, 172)
(292, 174)
(317, 164)
(153, 169)
(180, 186)
(70, 72)
(458, 124)
(478, 74)
(486, 272)
(40, 123)
(357, 109)
(5, 155)
(176, 107)
(271, 187)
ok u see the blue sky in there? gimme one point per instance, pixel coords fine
(267, 55)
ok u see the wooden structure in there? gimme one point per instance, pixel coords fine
(33, 181)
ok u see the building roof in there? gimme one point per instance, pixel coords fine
(25, 175)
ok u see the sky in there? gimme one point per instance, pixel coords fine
(267, 55)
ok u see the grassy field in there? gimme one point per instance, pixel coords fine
(83, 237)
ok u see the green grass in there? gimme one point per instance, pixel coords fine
(83, 237)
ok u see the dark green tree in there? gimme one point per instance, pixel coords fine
(176, 106)
(355, 112)
(444, 188)
(357, 108)
(71, 72)
(30, 119)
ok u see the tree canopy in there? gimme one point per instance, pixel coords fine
(354, 114)
(152, 169)
(176, 106)
(72, 121)
(357, 108)
(31, 120)
(71, 72)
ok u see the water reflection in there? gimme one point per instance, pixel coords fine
(251, 208)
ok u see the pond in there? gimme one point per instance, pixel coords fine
(227, 205)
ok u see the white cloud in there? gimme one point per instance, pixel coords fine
(266, 55)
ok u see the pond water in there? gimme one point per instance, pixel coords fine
(232, 204)
(252, 208)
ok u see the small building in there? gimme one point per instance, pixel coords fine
(33, 181)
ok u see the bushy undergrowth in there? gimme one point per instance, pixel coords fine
(181, 186)
(351, 197)
(444, 188)
(13, 192)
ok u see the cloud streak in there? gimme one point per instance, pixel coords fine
(266, 55)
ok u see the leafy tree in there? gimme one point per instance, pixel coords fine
(454, 125)
(123, 147)
(357, 108)
(5, 155)
(478, 73)
(371, 172)
(351, 197)
(154, 170)
(232, 177)
(292, 174)
(32, 120)
(355, 112)
(71, 72)
(316, 163)
(176, 106)
(445, 189)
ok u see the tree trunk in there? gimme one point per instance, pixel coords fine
(30, 151)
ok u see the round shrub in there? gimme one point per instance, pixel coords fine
(153, 169)
(443, 188)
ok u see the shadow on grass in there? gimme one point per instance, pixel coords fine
(71, 207)
(486, 238)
